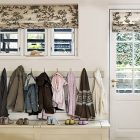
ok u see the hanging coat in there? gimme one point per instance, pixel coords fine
(3, 94)
(84, 105)
(100, 96)
(31, 94)
(15, 99)
(58, 91)
(45, 93)
(72, 93)
(66, 93)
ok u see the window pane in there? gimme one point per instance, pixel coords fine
(35, 36)
(35, 46)
(63, 42)
(137, 36)
(9, 43)
(137, 80)
(124, 73)
(10, 36)
(137, 85)
(137, 54)
(124, 78)
(124, 36)
(35, 40)
(124, 54)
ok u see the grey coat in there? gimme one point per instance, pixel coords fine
(31, 94)
(15, 99)
(3, 94)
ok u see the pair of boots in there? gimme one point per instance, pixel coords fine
(5, 121)
(22, 121)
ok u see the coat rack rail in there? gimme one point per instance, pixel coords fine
(64, 73)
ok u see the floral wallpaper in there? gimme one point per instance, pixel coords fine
(44, 16)
(126, 21)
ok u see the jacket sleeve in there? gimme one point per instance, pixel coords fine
(34, 98)
(12, 93)
(28, 107)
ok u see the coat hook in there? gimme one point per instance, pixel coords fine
(57, 70)
(44, 69)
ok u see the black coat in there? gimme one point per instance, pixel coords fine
(45, 93)
(3, 94)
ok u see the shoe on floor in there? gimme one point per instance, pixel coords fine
(26, 121)
(20, 121)
(82, 122)
(1, 120)
(7, 121)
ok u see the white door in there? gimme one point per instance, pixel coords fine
(124, 82)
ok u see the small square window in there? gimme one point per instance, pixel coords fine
(63, 42)
(35, 42)
(9, 42)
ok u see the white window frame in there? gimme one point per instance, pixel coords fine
(22, 43)
(26, 53)
(18, 45)
(74, 50)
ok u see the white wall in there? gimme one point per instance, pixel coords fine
(92, 41)
(92, 44)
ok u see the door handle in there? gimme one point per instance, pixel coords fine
(114, 81)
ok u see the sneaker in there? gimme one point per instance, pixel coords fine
(54, 121)
(49, 120)
(81, 122)
(85, 122)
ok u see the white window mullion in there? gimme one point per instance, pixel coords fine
(76, 41)
(46, 42)
(133, 64)
(49, 41)
(22, 41)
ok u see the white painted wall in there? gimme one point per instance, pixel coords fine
(92, 41)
